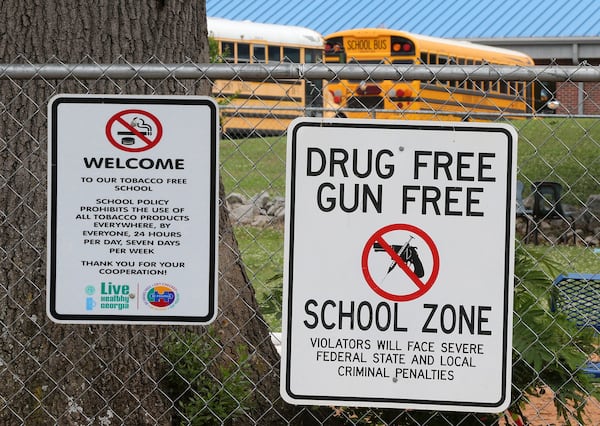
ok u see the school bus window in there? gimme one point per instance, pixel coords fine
(517, 88)
(463, 83)
(243, 52)
(291, 54)
(228, 51)
(312, 56)
(423, 57)
(503, 87)
(443, 60)
(274, 53)
(258, 53)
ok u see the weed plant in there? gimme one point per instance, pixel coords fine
(207, 387)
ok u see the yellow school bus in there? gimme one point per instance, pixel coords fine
(264, 107)
(415, 99)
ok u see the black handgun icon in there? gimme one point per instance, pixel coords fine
(408, 254)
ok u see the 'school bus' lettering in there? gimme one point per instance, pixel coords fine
(451, 100)
(368, 45)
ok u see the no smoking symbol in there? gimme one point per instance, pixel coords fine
(134, 130)
(402, 258)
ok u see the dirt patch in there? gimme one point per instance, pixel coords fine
(542, 412)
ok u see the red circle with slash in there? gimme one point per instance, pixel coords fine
(144, 138)
(422, 286)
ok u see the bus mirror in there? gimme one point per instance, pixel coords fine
(553, 104)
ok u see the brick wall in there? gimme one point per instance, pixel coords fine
(568, 95)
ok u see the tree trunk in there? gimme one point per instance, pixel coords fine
(100, 374)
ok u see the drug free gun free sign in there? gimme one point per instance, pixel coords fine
(399, 264)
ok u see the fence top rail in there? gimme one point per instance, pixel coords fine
(580, 73)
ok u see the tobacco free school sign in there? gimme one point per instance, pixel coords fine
(399, 264)
(133, 216)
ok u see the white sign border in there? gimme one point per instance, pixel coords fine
(420, 404)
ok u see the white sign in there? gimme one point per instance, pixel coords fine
(398, 278)
(133, 212)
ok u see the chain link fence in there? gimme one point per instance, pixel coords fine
(193, 375)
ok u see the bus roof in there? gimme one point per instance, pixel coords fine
(443, 45)
(225, 29)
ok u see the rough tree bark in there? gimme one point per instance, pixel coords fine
(109, 374)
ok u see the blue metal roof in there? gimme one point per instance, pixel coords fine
(442, 18)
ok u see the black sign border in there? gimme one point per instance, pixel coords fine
(53, 208)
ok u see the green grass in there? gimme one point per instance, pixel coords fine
(262, 253)
(555, 149)
(582, 260)
(561, 150)
(251, 166)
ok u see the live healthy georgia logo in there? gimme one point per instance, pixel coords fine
(161, 296)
